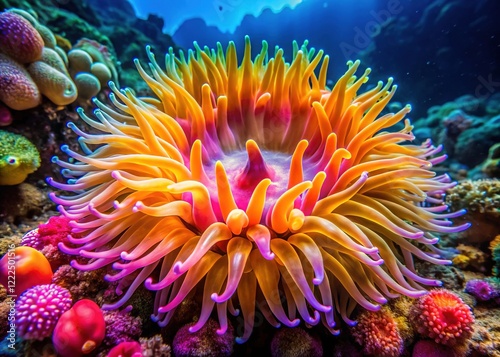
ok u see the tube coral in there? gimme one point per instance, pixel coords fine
(258, 180)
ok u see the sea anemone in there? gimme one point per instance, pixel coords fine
(258, 181)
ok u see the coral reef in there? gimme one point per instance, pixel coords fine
(121, 327)
(39, 308)
(491, 166)
(154, 347)
(81, 284)
(481, 199)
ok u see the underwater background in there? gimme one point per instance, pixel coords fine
(225, 178)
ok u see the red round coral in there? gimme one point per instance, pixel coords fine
(79, 330)
(378, 333)
(443, 316)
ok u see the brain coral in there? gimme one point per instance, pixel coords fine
(18, 158)
(260, 179)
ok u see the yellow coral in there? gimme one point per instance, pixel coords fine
(18, 158)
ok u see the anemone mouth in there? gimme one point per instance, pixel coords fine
(197, 187)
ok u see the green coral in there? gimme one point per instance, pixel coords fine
(481, 196)
(18, 158)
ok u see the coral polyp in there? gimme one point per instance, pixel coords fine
(254, 182)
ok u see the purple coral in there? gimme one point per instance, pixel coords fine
(121, 327)
(39, 308)
(205, 342)
(482, 290)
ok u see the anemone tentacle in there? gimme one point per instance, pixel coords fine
(258, 185)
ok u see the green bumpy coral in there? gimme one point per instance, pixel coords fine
(18, 158)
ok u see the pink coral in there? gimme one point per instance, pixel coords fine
(126, 349)
(5, 115)
(443, 316)
(39, 308)
(54, 231)
(121, 326)
(378, 333)
(19, 39)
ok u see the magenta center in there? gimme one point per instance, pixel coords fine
(245, 169)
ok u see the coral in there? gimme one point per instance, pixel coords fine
(205, 342)
(79, 61)
(18, 158)
(99, 53)
(53, 84)
(429, 348)
(17, 89)
(81, 284)
(80, 330)
(120, 327)
(154, 347)
(482, 290)
(102, 72)
(486, 338)
(32, 268)
(55, 230)
(378, 333)
(5, 115)
(470, 257)
(295, 342)
(88, 85)
(491, 166)
(481, 199)
(25, 200)
(495, 255)
(442, 316)
(39, 308)
(19, 39)
(255, 179)
(126, 349)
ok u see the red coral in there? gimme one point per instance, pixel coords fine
(79, 330)
(443, 316)
(55, 230)
(378, 333)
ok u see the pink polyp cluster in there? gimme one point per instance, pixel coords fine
(258, 185)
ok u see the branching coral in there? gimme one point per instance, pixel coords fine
(260, 180)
